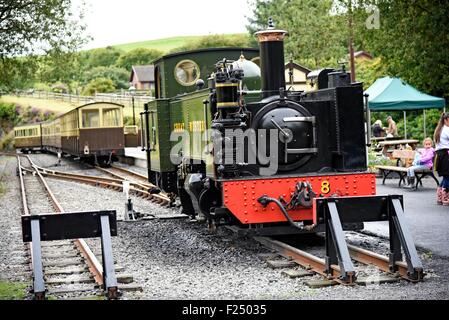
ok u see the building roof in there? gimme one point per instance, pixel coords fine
(143, 73)
(297, 66)
(358, 54)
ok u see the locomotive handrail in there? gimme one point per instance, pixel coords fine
(143, 137)
(368, 121)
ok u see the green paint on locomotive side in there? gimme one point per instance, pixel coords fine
(183, 113)
(159, 141)
(184, 108)
(205, 59)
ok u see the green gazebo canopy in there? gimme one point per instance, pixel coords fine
(394, 94)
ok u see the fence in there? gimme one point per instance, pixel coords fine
(121, 98)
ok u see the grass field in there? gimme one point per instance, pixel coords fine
(164, 45)
(42, 104)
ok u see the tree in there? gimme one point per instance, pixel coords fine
(24, 23)
(31, 27)
(17, 73)
(99, 85)
(138, 57)
(315, 36)
(119, 76)
(217, 41)
(368, 71)
(58, 66)
(413, 41)
(103, 57)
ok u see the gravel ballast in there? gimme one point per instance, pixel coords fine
(13, 260)
(181, 259)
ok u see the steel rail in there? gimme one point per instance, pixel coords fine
(91, 260)
(317, 264)
(140, 188)
(382, 262)
(113, 183)
(139, 184)
(26, 212)
(76, 175)
(132, 173)
(303, 258)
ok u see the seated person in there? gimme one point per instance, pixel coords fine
(377, 129)
(392, 130)
(423, 160)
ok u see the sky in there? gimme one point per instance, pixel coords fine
(112, 22)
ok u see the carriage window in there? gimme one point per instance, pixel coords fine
(91, 119)
(187, 72)
(111, 117)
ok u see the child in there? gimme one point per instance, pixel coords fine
(423, 160)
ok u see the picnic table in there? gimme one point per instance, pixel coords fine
(389, 146)
(376, 140)
(404, 159)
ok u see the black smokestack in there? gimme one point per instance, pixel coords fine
(272, 63)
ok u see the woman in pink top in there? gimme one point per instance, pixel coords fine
(423, 160)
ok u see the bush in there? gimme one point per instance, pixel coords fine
(7, 141)
(138, 57)
(41, 86)
(217, 41)
(8, 112)
(99, 85)
(375, 160)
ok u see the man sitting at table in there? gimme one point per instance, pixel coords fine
(392, 130)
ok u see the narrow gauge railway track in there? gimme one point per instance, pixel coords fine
(312, 263)
(69, 266)
(317, 265)
(139, 184)
(141, 189)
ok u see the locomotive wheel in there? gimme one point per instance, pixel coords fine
(209, 198)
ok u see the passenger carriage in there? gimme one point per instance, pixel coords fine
(94, 130)
(28, 137)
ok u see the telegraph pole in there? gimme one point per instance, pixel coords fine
(351, 40)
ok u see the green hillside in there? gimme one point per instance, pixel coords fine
(165, 44)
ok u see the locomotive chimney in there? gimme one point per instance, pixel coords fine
(272, 59)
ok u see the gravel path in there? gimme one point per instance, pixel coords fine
(180, 259)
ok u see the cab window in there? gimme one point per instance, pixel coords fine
(187, 72)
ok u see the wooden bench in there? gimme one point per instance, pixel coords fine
(405, 157)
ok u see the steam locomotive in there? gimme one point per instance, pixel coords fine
(247, 152)
(313, 142)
